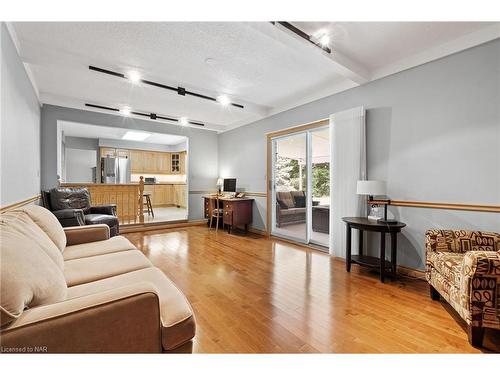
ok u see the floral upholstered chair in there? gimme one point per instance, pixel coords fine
(463, 267)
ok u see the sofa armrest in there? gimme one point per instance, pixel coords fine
(109, 209)
(86, 234)
(121, 320)
(479, 282)
(70, 217)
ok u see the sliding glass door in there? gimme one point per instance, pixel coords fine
(300, 183)
(290, 187)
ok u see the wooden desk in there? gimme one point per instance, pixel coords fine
(236, 211)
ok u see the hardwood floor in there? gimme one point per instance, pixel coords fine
(257, 295)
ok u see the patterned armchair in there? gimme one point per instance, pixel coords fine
(463, 267)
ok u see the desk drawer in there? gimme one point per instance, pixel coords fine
(228, 216)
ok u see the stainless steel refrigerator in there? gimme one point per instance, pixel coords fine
(115, 170)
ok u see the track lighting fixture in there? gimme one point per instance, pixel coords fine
(321, 43)
(126, 111)
(136, 78)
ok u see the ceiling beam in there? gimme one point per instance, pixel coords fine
(343, 65)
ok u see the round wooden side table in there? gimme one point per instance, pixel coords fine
(363, 224)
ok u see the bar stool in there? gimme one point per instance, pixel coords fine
(147, 202)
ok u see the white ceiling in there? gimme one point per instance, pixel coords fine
(263, 67)
(74, 129)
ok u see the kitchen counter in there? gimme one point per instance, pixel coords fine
(165, 183)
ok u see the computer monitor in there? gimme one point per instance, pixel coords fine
(230, 185)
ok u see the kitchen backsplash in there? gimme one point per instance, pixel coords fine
(160, 177)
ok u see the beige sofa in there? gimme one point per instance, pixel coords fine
(78, 290)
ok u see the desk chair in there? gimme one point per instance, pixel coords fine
(215, 210)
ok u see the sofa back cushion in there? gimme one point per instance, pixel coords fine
(64, 198)
(285, 199)
(28, 276)
(19, 222)
(299, 198)
(48, 223)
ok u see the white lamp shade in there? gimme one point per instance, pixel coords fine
(370, 187)
(220, 182)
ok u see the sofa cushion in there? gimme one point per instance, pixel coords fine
(286, 198)
(20, 222)
(299, 198)
(293, 211)
(177, 318)
(101, 219)
(448, 264)
(49, 224)
(28, 276)
(90, 249)
(85, 270)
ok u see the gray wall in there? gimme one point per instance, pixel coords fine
(19, 130)
(202, 161)
(433, 133)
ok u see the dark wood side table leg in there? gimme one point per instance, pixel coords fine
(348, 248)
(382, 256)
(360, 245)
(394, 245)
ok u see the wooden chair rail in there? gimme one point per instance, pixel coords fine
(24, 202)
(444, 206)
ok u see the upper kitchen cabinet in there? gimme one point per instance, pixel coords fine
(175, 162)
(183, 162)
(106, 151)
(150, 162)
(178, 162)
(163, 162)
(136, 161)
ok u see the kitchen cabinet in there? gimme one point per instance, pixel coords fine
(136, 161)
(178, 162)
(122, 153)
(106, 151)
(183, 162)
(150, 162)
(179, 195)
(163, 162)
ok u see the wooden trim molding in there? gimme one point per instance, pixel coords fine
(299, 128)
(25, 202)
(444, 206)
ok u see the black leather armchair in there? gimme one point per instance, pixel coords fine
(72, 207)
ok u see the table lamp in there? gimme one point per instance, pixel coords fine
(372, 188)
(220, 183)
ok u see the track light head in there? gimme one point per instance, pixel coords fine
(223, 100)
(133, 76)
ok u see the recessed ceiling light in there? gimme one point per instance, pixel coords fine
(125, 111)
(324, 40)
(133, 76)
(223, 100)
(183, 121)
(210, 61)
(135, 136)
